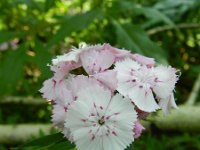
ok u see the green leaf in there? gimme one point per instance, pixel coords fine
(5, 36)
(11, 69)
(74, 24)
(49, 142)
(157, 15)
(62, 146)
(154, 15)
(134, 38)
(42, 58)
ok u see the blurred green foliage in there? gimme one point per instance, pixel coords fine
(34, 31)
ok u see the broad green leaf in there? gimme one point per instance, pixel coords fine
(11, 70)
(156, 15)
(5, 36)
(49, 142)
(42, 58)
(134, 38)
(44, 142)
(62, 146)
(74, 24)
(150, 13)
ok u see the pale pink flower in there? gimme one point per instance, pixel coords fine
(77, 83)
(48, 89)
(62, 69)
(101, 122)
(139, 83)
(58, 115)
(138, 129)
(149, 62)
(107, 78)
(65, 93)
(167, 103)
(96, 61)
(58, 119)
(72, 56)
(118, 53)
(135, 82)
(55, 89)
(165, 79)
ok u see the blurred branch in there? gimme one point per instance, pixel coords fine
(178, 26)
(23, 100)
(195, 91)
(23, 132)
(185, 119)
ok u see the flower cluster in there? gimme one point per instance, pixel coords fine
(102, 109)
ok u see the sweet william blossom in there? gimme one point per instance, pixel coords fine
(142, 84)
(101, 122)
(102, 109)
(149, 62)
(95, 61)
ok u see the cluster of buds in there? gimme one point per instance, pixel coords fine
(102, 108)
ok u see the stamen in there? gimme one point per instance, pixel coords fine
(101, 121)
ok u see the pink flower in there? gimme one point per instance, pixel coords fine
(102, 109)
(96, 61)
(138, 129)
(77, 83)
(167, 103)
(107, 78)
(55, 89)
(149, 62)
(118, 53)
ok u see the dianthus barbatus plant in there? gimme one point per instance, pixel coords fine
(102, 109)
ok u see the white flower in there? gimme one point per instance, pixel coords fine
(139, 83)
(96, 61)
(58, 119)
(74, 54)
(165, 79)
(167, 103)
(55, 89)
(58, 115)
(135, 81)
(77, 83)
(108, 78)
(99, 121)
(68, 57)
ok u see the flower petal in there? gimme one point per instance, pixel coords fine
(59, 115)
(143, 98)
(68, 57)
(119, 115)
(107, 78)
(167, 103)
(118, 53)
(138, 129)
(165, 80)
(96, 61)
(144, 60)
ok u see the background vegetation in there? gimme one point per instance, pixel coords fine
(34, 31)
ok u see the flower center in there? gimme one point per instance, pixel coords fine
(101, 121)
